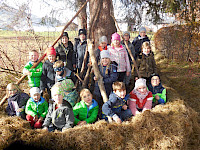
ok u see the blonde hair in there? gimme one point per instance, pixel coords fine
(146, 45)
(12, 86)
(118, 86)
(84, 91)
(58, 63)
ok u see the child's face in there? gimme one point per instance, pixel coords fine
(33, 56)
(103, 44)
(87, 98)
(36, 97)
(116, 43)
(146, 50)
(142, 33)
(11, 91)
(58, 98)
(155, 81)
(126, 37)
(120, 93)
(51, 58)
(142, 89)
(105, 61)
(64, 40)
(82, 37)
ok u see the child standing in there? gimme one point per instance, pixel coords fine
(103, 41)
(119, 54)
(48, 74)
(116, 107)
(109, 74)
(36, 108)
(65, 51)
(146, 63)
(86, 110)
(16, 101)
(60, 114)
(158, 91)
(141, 38)
(34, 74)
(140, 98)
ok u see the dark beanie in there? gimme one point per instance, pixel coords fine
(82, 31)
(65, 34)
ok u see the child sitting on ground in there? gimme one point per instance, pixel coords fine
(86, 110)
(108, 71)
(16, 101)
(36, 108)
(34, 74)
(116, 107)
(158, 91)
(119, 54)
(60, 114)
(48, 74)
(140, 98)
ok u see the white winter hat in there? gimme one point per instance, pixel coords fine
(140, 82)
(142, 29)
(104, 54)
(34, 90)
(103, 39)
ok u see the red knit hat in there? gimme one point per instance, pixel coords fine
(51, 51)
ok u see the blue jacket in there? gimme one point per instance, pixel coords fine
(113, 105)
(108, 79)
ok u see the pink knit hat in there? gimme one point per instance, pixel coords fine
(51, 51)
(115, 36)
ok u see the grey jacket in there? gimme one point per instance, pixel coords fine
(62, 117)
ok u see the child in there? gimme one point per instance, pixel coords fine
(141, 38)
(62, 72)
(140, 98)
(65, 51)
(36, 108)
(146, 63)
(79, 49)
(48, 74)
(158, 91)
(60, 114)
(126, 36)
(34, 74)
(86, 110)
(103, 41)
(16, 101)
(109, 73)
(119, 54)
(116, 107)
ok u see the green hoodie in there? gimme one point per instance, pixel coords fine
(83, 113)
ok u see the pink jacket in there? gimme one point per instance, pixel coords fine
(120, 56)
(134, 103)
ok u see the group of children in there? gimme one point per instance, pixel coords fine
(56, 76)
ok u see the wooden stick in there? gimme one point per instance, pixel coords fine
(85, 81)
(129, 51)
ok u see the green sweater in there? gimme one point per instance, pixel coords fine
(83, 113)
(37, 108)
(34, 79)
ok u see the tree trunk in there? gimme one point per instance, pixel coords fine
(104, 25)
(82, 17)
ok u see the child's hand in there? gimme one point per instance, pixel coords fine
(95, 78)
(117, 120)
(124, 107)
(35, 118)
(157, 97)
(81, 123)
(136, 78)
(40, 119)
(38, 70)
(20, 110)
(28, 73)
(127, 73)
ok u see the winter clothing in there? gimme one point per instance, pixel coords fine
(34, 124)
(136, 104)
(65, 34)
(120, 56)
(15, 102)
(48, 76)
(83, 113)
(146, 65)
(51, 51)
(113, 107)
(66, 54)
(142, 29)
(115, 36)
(140, 82)
(39, 108)
(126, 32)
(82, 31)
(34, 78)
(34, 90)
(137, 43)
(104, 54)
(61, 118)
(160, 91)
(131, 47)
(103, 39)
(98, 51)
(59, 78)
